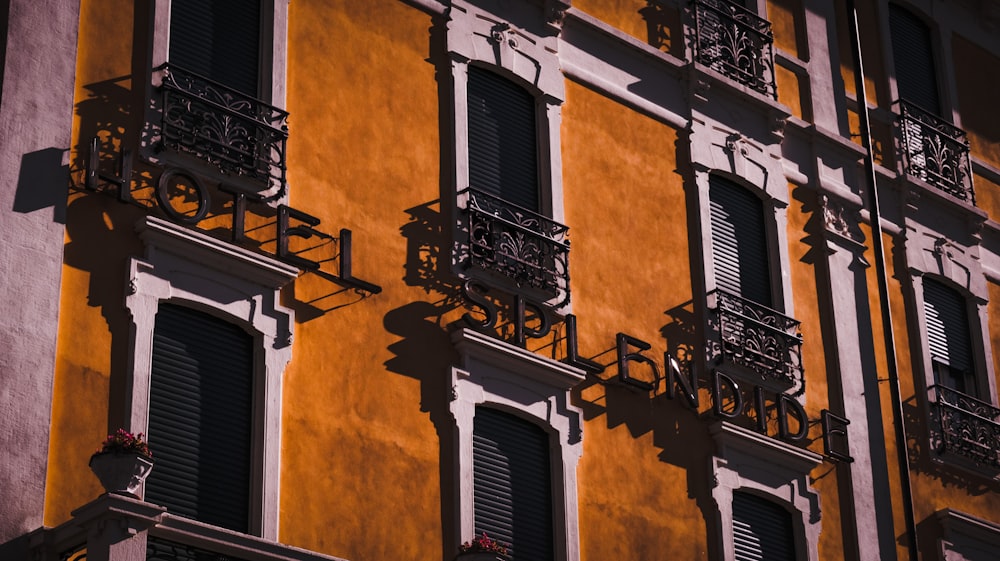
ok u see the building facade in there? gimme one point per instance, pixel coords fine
(603, 279)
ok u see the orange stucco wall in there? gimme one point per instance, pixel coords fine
(99, 236)
(977, 76)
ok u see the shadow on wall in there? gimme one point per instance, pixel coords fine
(662, 25)
(42, 183)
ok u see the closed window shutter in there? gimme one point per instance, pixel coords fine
(513, 497)
(762, 530)
(739, 244)
(913, 59)
(200, 417)
(218, 39)
(503, 148)
(948, 336)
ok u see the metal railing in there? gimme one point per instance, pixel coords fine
(735, 42)
(526, 248)
(232, 131)
(935, 151)
(756, 337)
(966, 426)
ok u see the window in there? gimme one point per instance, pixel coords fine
(949, 338)
(767, 508)
(193, 369)
(215, 90)
(519, 441)
(503, 153)
(508, 88)
(513, 496)
(762, 529)
(740, 258)
(752, 335)
(219, 40)
(201, 417)
(913, 59)
(934, 149)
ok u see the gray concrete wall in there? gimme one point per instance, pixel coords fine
(36, 113)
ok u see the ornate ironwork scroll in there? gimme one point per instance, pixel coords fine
(159, 549)
(964, 425)
(756, 337)
(528, 249)
(735, 42)
(238, 134)
(935, 151)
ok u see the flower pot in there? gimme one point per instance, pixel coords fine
(121, 473)
(480, 556)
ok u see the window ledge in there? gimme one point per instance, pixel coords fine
(194, 246)
(474, 347)
(735, 442)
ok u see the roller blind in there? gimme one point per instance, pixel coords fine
(913, 59)
(948, 336)
(218, 39)
(503, 147)
(200, 417)
(739, 244)
(513, 496)
(762, 530)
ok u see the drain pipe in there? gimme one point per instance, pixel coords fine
(903, 459)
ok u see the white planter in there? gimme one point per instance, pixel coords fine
(121, 473)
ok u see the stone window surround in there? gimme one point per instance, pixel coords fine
(480, 38)
(715, 150)
(958, 267)
(497, 374)
(190, 268)
(750, 462)
(273, 68)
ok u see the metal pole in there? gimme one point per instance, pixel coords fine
(883, 281)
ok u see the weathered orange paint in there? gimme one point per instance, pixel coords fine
(98, 235)
(787, 25)
(977, 79)
(623, 191)
(653, 23)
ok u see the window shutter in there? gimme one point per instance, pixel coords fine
(513, 496)
(913, 59)
(739, 245)
(503, 151)
(219, 40)
(948, 334)
(200, 417)
(762, 530)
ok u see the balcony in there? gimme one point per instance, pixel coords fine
(764, 342)
(523, 250)
(238, 135)
(735, 42)
(935, 151)
(965, 428)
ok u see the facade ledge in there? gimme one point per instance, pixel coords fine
(732, 438)
(474, 346)
(160, 234)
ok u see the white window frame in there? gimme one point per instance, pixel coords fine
(958, 267)
(727, 154)
(274, 40)
(187, 267)
(500, 375)
(748, 461)
(480, 38)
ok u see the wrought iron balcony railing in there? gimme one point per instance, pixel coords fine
(236, 133)
(966, 426)
(735, 42)
(935, 151)
(526, 248)
(757, 338)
